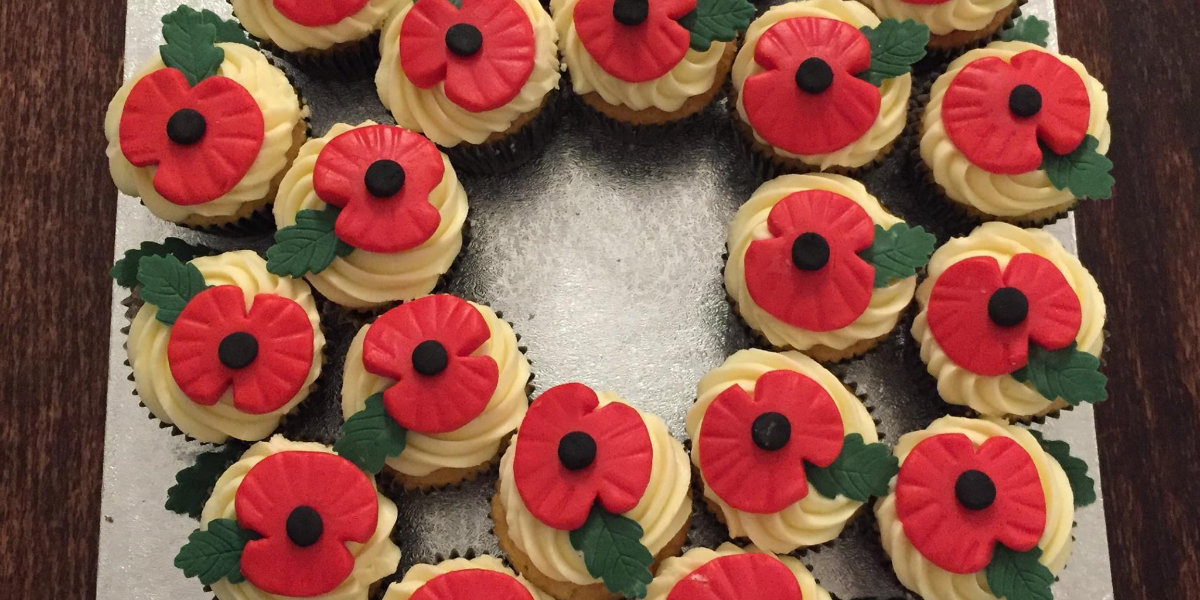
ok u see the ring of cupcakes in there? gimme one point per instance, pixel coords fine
(816, 264)
(463, 579)
(981, 509)
(369, 215)
(732, 573)
(952, 23)
(824, 84)
(1017, 133)
(220, 347)
(786, 453)
(592, 495)
(203, 133)
(432, 390)
(292, 520)
(1011, 324)
(469, 76)
(312, 28)
(649, 63)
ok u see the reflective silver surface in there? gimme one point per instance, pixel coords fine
(607, 259)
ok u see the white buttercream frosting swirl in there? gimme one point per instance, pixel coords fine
(676, 568)
(944, 17)
(421, 574)
(264, 21)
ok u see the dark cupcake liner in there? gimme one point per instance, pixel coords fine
(769, 167)
(346, 60)
(631, 133)
(514, 150)
(946, 55)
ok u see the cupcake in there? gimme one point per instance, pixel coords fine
(816, 264)
(824, 84)
(220, 347)
(432, 389)
(593, 494)
(292, 520)
(203, 133)
(463, 579)
(981, 509)
(474, 79)
(643, 63)
(332, 32)
(1011, 324)
(786, 453)
(1015, 132)
(368, 215)
(952, 23)
(732, 573)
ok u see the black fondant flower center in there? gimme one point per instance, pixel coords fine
(430, 358)
(810, 252)
(1025, 101)
(384, 178)
(464, 39)
(237, 350)
(631, 12)
(771, 431)
(975, 490)
(304, 526)
(576, 450)
(814, 76)
(186, 127)
(1008, 306)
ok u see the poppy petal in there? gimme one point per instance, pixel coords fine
(318, 14)
(472, 583)
(1055, 313)
(748, 576)
(634, 53)
(958, 319)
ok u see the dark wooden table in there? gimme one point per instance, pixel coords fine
(60, 62)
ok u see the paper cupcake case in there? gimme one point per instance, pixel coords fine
(513, 150)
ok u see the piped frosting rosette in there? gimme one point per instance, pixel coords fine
(773, 436)
(463, 579)
(301, 26)
(944, 16)
(733, 573)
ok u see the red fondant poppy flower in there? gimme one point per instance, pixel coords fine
(809, 274)
(483, 51)
(572, 453)
(264, 353)
(634, 40)
(753, 448)
(997, 112)
(203, 139)
(808, 101)
(984, 319)
(318, 14)
(957, 502)
(750, 576)
(381, 177)
(306, 506)
(472, 583)
(426, 345)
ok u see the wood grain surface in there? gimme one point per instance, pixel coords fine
(60, 62)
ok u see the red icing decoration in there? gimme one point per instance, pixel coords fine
(399, 222)
(750, 576)
(484, 81)
(803, 123)
(336, 489)
(432, 403)
(310, 13)
(955, 538)
(617, 477)
(279, 325)
(978, 120)
(958, 312)
(826, 299)
(472, 584)
(634, 53)
(192, 174)
(754, 480)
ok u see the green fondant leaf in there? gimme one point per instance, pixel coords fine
(168, 284)
(716, 20)
(227, 31)
(190, 44)
(215, 553)
(194, 484)
(309, 246)
(895, 47)
(125, 270)
(898, 252)
(1028, 29)
(1068, 373)
(370, 436)
(1083, 487)
(613, 552)
(860, 471)
(1085, 172)
(1016, 575)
